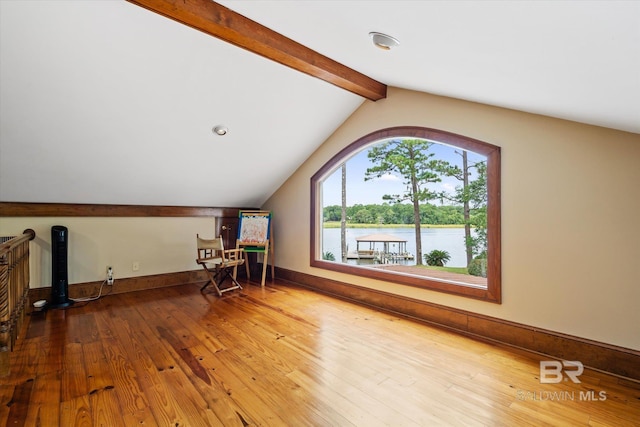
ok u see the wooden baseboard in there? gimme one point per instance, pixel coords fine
(616, 360)
(89, 289)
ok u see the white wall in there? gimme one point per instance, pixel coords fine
(159, 244)
(570, 205)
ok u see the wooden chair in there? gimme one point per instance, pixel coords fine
(219, 263)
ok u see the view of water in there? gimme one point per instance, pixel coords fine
(444, 239)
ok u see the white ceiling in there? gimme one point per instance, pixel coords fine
(577, 60)
(106, 102)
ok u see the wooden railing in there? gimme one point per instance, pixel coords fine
(14, 289)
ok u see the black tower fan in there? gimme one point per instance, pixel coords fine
(59, 276)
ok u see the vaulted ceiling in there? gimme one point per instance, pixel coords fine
(108, 102)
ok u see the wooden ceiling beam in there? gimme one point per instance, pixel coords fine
(221, 22)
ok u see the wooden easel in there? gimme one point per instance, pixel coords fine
(255, 235)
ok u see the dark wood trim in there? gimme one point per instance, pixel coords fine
(21, 209)
(218, 21)
(596, 355)
(130, 284)
(493, 291)
(405, 279)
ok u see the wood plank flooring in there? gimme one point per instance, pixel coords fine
(281, 356)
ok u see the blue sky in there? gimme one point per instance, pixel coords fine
(371, 192)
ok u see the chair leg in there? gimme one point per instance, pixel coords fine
(212, 278)
(226, 273)
(217, 277)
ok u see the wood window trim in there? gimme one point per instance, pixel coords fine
(493, 291)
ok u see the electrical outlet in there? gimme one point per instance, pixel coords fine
(110, 279)
(135, 266)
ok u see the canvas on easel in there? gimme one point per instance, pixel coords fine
(255, 236)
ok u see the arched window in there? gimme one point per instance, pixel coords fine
(414, 206)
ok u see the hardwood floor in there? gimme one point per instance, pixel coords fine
(281, 356)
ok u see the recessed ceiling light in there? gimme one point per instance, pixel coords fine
(220, 130)
(383, 41)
